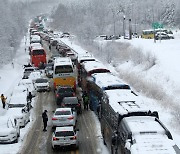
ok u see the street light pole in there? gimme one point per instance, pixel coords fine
(130, 30)
(124, 18)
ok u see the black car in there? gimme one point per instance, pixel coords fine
(63, 91)
(73, 103)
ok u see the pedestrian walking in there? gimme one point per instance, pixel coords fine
(45, 119)
(3, 99)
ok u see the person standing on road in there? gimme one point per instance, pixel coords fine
(3, 99)
(29, 97)
(29, 100)
(85, 100)
(45, 119)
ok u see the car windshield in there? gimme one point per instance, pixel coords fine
(41, 81)
(38, 52)
(62, 113)
(16, 105)
(64, 133)
(29, 70)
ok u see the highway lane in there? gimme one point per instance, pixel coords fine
(39, 142)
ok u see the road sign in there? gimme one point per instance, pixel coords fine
(157, 25)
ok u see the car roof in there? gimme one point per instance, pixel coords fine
(70, 100)
(67, 128)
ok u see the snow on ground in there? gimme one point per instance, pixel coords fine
(10, 75)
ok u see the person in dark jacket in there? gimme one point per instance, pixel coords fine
(3, 99)
(29, 97)
(85, 100)
(45, 119)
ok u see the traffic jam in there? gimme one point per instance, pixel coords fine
(81, 82)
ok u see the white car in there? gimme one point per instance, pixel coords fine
(25, 86)
(42, 84)
(64, 117)
(65, 136)
(9, 130)
(20, 112)
(19, 109)
(35, 75)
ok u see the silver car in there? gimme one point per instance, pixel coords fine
(65, 136)
(64, 117)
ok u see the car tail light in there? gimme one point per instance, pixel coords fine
(74, 94)
(63, 105)
(57, 95)
(54, 119)
(73, 138)
(70, 118)
(78, 105)
(55, 139)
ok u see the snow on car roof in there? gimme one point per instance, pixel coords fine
(105, 80)
(149, 136)
(94, 65)
(18, 98)
(68, 128)
(124, 101)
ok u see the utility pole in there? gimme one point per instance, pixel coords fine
(130, 30)
(124, 18)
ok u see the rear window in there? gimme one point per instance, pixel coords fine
(62, 113)
(65, 90)
(38, 52)
(29, 70)
(64, 133)
(16, 105)
(64, 69)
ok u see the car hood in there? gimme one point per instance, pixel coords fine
(4, 130)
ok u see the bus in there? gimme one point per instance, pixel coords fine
(98, 83)
(87, 69)
(64, 72)
(80, 59)
(37, 56)
(129, 128)
(148, 34)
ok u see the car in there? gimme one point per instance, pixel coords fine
(65, 35)
(20, 112)
(63, 91)
(42, 84)
(49, 70)
(73, 103)
(35, 75)
(64, 117)
(9, 130)
(161, 36)
(65, 137)
(25, 85)
(27, 72)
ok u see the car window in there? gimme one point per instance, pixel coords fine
(64, 133)
(16, 105)
(62, 113)
(41, 81)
